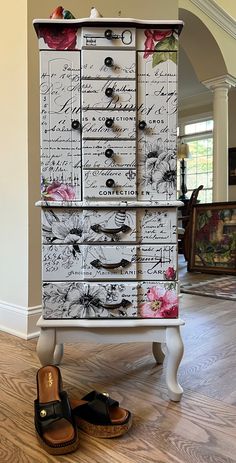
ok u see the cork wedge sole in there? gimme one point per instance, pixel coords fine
(103, 431)
(60, 450)
(101, 416)
(55, 425)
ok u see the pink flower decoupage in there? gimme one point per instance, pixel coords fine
(152, 37)
(57, 191)
(58, 38)
(162, 41)
(162, 303)
(170, 273)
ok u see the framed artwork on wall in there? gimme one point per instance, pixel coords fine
(232, 166)
(213, 238)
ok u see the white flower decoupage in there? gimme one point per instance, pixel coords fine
(161, 173)
(84, 301)
(70, 231)
(161, 169)
(67, 228)
(54, 297)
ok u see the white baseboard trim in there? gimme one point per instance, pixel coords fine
(19, 320)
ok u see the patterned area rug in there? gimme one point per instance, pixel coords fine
(223, 288)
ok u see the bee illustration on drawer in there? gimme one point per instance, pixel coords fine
(120, 218)
(112, 226)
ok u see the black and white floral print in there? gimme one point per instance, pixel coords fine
(162, 175)
(161, 171)
(67, 227)
(70, 230)
(69, 256)
(54, 298)
(84, 300)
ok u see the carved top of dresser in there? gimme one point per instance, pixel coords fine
(113, 21)
(119, 204)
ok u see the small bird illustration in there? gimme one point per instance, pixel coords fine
(95, 13)
(60, 13)
(68, 15)
(57, 13)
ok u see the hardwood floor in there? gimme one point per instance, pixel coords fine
(201, 428)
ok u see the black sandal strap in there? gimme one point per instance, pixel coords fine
(97, 408)
(47, 413)
(100, 396)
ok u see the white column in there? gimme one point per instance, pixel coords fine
(220, 86)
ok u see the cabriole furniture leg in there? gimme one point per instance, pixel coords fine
(54, 333)
(175, 350)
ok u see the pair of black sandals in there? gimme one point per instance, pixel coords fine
(57, 418)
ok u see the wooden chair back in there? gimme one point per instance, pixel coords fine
(193, 200)
(186, 223)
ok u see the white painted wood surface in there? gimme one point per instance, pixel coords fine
(94, 124)
(121, 37)
(108, 262)
(123, 67)
(148, 151)
(107, 299)
(60, 105)
(123, 94)
(54, 333)
(94, 154)
(143, 225)
(95, 184)
(157, 106)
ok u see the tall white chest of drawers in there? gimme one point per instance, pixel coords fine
(108, 161)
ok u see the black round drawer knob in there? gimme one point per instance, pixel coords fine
(109, 122)
(108, 61)
(108, 34)
(109, 91)
(142, 125)
(109, 153)
(110, 183)
(75, 124)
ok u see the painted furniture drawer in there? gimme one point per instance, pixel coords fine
(109, 153)
(156, 143)
(74, 262)
(142, 225)
(60, 125)
(74, 226)
(109, 94)
(73, 300)
(101, 64)
(109, 124)
(98, 37)
(109, 184)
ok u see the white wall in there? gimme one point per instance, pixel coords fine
(14, 189)
(229, 6)
(14, 154)
(224, 40)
